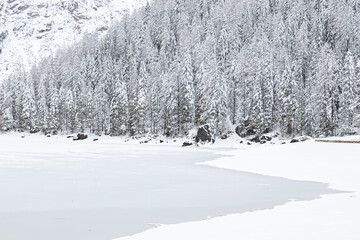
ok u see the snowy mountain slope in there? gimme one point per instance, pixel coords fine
(33, 29)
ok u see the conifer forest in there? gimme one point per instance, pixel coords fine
(291, 66)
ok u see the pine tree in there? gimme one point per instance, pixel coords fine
(288, 105)
(7, 119)
(186, 95)
(326, 92)
(42, 104)
(119, 110)
(347, 97)
(71, 121)
(53, 114)
(141, 105)
(28, 114)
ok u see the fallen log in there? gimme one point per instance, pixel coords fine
(336, 141)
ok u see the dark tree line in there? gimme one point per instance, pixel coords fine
(284, 65)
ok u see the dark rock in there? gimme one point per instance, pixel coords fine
(102, 29)
(244, 131)
(241, 141)
(250, 132)
(255, 139)
(283, 143)
(33, 14)
(267, 130)
(48, 135)
(304, 138)
(204, 135)
(249, 143)
(300, 139)
(187, 144)
(70, 137)
(239, 129)
(263, 142)
(266, 138)
(223, 137)
(22, 8)
(34, 130)
(80, 136)
(95, 139)
(161, 141)
(3, 35)
(23, 136)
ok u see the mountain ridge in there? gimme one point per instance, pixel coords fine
(32, 30)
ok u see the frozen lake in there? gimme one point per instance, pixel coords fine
(58, 189)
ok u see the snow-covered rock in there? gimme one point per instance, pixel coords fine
(204, 134)
(33, 29)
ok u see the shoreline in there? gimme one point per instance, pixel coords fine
(330, 217)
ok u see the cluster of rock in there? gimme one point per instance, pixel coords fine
(245, 130)
(299, 139)
(80, 136)
(205, 135)
(261, 139)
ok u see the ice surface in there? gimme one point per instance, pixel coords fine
(54, 188)
(332, 217)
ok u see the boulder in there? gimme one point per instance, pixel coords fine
(250, 131)
(95, 139)
(204, 135)
(256, 139)
(240, 129)
(34, 130)
(223, 137)
(80, 136)
(244, 131)
(266, 138)
(187, 144)
(299, 139)
(295, 140)
(304, 138)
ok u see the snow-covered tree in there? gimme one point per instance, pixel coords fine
(347, 97)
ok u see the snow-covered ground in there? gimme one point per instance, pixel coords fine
(332, 217)
(55, 188)
(60, 188)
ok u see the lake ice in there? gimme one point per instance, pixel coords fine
(58, 189)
